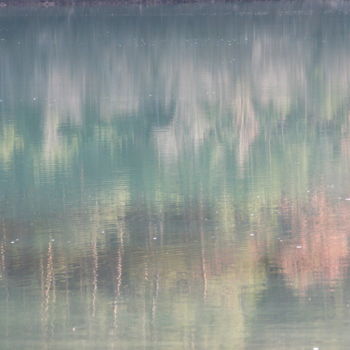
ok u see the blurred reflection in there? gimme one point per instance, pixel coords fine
(174, 181)
(318, 251)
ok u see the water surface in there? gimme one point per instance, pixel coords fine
(175, 177)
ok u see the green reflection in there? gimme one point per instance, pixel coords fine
(174, 181)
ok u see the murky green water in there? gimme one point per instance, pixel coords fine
(175, 178)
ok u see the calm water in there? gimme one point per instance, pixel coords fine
(175, 178)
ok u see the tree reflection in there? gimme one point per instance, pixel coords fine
(156, 180)
(317, 250)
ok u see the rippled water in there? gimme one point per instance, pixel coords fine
(175, 177)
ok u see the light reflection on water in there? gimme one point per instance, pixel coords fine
(171, 181)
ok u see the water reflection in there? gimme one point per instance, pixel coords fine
(174, 181)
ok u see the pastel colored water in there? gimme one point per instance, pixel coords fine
(175, 177)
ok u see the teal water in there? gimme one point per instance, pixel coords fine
(175, 177)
